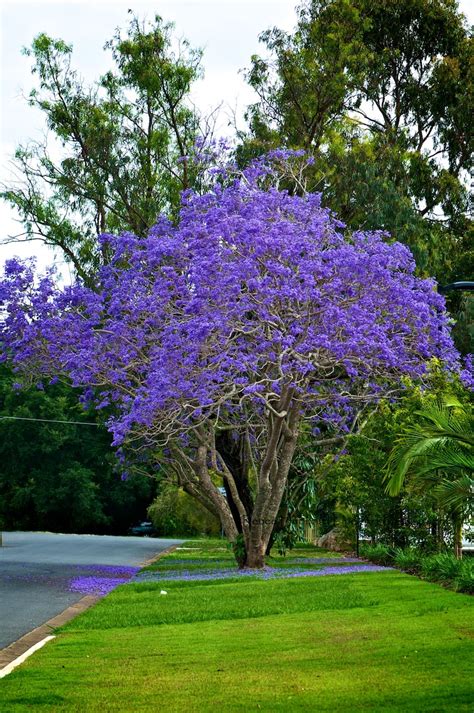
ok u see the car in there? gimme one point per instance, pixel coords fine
(143, 529)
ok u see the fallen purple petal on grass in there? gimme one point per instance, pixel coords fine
(322, 560)
(179, 561)
(95, 585)
(265, 573)
(103, 580)
(107, 577)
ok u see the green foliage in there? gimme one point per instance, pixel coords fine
(174, 512)
(416, 516)
(382, 95)
(239, 550)
(464, 581)
(380, 554)
(124, 142)
(442, 440)
(437, 450)
(444, 568)
(409, 559)
(61, 476)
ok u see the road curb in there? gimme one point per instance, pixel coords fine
(20, 659)
(29, 640)
(161, 554)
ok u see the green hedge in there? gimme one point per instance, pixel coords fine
(442, 568)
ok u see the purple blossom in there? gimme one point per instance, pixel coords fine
(252, 290)
(99, 586)
(265, 573)
(467, 373)
(254, 298)
(100, 579)
(323, 560)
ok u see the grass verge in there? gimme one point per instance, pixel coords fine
(365, 642)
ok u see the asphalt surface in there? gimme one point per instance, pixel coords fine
(36, 569)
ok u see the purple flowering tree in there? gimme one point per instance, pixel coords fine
(215, 342)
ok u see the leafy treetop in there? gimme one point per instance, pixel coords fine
(251, 315)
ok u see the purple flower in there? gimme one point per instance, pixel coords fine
(95, 585)
(100, 579)
(265, 573)
(254, 303)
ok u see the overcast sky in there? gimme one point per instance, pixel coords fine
(227, 30)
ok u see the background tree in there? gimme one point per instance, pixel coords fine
(381, 94)
(123, 142)
(115, 156)
(250, 315)
(62, 476)
(175, 513)
(414, 514)
(438, 452)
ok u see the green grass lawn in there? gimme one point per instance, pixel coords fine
(358, 642)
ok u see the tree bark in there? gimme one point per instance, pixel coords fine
(231, 453)
(247, 525)
(273, 476)
(458, 539)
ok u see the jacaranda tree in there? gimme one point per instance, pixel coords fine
(249, 318)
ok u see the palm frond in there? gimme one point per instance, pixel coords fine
(443, 440)
(456, 494)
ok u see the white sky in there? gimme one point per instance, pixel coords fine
(227, 30)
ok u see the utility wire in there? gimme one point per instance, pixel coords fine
(49, 420)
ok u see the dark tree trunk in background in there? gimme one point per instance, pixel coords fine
(232, 452)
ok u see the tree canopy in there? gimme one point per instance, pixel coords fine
(57, 468)
(250, 316)
(382, 95)
(123, 142)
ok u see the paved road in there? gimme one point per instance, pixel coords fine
(36, 569)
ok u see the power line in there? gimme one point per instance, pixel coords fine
(49, 420)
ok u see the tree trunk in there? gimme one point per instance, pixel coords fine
(458, 539)
(440, 531)
(273, 477)
(231, 453)
(248, 526)
(256, 556)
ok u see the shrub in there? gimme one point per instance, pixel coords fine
(175, 513)
(409, 560)
(443, 568)
(464, 582)
(380, 553)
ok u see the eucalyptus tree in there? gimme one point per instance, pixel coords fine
(382, 95)
(116, 152)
